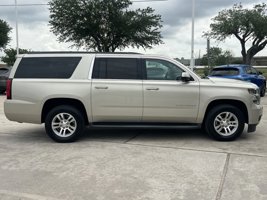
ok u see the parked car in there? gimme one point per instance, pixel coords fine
(4, 74)
(241, 72)
(67, 91)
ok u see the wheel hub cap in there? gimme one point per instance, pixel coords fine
(226, 123)
(64, 125)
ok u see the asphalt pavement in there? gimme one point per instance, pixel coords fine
(131, 164)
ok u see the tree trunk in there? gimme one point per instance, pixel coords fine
(248, 59)
(256, 48)
(244, 51)
(251, 53)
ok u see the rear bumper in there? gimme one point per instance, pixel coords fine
(22, 111)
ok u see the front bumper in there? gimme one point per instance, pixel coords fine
(255, 117)
(252, 128)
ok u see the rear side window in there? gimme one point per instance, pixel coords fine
(224, 72)
(116, 68)
(3, 70)
(47, 67)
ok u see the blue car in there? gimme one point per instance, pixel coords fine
(241, 72)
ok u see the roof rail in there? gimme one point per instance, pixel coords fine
(78, 52)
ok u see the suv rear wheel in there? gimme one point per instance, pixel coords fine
(225, 123)
(64, 124)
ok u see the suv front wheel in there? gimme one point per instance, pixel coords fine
(64, 124)
(225, 123)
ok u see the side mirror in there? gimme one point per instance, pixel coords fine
(259, 72)
(185, 77)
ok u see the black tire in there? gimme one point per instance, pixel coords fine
(224, 125)
(71, 133)
(263, 91)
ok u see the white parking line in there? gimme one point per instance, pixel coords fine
(25, 195)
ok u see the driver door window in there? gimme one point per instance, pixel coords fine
(162, 70)
(251, 71)
(254, 71)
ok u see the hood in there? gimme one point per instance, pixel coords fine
(232, 82)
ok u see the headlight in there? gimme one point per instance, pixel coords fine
(255, 95)
(253, 91)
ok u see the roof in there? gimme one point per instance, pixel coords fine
(231, 66)
(77, 52)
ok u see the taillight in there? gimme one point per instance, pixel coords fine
(8, 88)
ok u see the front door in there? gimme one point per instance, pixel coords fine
(166, 97)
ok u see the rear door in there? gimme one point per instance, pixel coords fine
(116, 90)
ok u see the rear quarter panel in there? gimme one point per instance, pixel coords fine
(29, 95)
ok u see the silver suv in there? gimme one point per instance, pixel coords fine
(67, 91)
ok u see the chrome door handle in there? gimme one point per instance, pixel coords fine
(152, 89)
(101, 87)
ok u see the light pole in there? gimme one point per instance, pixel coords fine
(192, 62)
(17, 31)
(208, 51)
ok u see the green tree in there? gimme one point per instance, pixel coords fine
(249, 26)
(104, 25)
(10, 55)
(4, 31)
(217, 57)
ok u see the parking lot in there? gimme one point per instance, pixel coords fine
(131, 164)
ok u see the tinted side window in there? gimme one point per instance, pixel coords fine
(116, 68)
(100, 68)
(47, 67)
(248, 70)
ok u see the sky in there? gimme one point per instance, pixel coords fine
(35, 34)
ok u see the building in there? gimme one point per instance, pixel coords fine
(260, 61)
(256, 61)
(2, 65)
